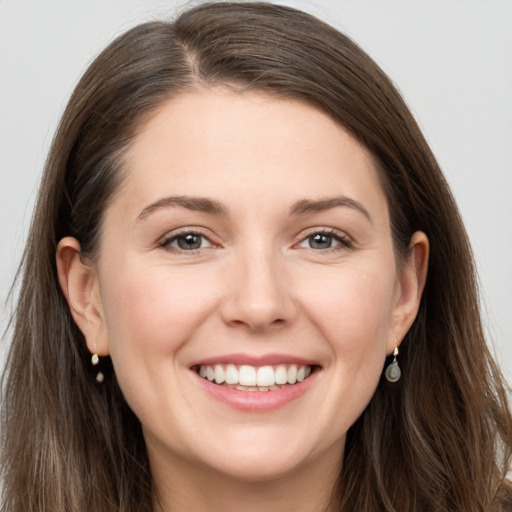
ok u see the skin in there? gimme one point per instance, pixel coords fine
(257, 286)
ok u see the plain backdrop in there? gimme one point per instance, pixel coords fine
(451, 59)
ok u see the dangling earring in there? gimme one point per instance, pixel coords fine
(95, 359)
(393, 371)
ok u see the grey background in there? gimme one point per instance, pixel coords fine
(452, 61)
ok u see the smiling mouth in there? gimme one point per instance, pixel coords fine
(255, 378)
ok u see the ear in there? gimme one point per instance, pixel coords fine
(411, 282)
(79, 284)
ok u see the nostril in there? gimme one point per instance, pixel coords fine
(257, 324)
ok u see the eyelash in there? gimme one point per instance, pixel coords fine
(343, 241)
(175, 237)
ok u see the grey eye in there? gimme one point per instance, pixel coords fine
(189, 242)
(320, 241)
(323, 241)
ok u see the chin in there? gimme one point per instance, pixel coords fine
(260, 469)
(269, 456)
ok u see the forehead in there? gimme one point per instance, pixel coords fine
(239, 145)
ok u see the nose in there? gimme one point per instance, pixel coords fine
(259, 293)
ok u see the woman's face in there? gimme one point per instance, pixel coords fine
(250, 241)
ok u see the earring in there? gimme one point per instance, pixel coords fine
(393, 371)
(95, 360)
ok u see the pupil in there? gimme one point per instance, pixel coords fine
(189, 242)
(320, 241)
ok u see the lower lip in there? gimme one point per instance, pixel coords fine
(257, 401)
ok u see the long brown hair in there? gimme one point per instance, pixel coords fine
(438, 440)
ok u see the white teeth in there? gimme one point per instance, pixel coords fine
(281, 374)
(251, 378)
(231, 374)
(265, 376)
(247, 375)
(220, 376)
(246, 388)
(292, 374)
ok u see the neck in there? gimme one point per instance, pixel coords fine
(306, 489)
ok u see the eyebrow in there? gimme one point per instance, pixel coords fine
(307, 206)
(206, 205)
(200, 204)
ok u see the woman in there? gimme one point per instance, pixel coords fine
(225, 302)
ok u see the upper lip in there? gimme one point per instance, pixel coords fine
(251, 360)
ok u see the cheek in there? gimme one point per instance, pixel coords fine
(352, 307)
(154, 311)
(150, 316)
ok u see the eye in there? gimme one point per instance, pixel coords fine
(188, 241)
(324, 240)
